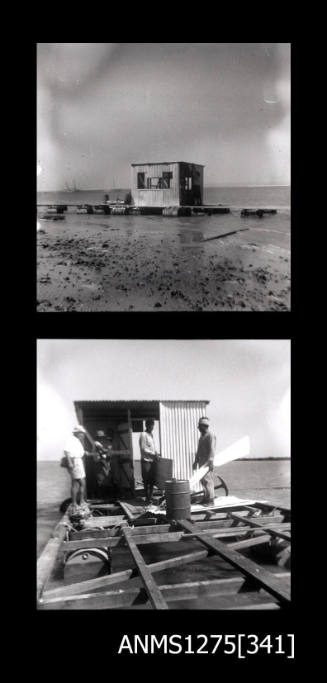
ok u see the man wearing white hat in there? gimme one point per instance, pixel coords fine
(204, 458)
(74, 452)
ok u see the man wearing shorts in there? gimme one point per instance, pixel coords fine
(74, 452)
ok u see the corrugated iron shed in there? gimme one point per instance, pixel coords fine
(178, 422)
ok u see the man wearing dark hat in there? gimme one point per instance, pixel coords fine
(149, 457)
(204, 458)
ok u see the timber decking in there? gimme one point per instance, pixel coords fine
(224, 536)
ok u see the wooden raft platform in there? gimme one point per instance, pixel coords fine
(127, 210)
(210, 545)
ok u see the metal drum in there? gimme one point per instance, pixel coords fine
(178, 499)
(87, 563)
(163, 472)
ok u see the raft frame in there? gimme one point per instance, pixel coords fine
(247, 525)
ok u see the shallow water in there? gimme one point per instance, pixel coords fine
(269, 195)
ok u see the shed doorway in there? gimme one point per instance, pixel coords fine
(138, 426)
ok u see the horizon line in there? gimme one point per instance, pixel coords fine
(115, 189)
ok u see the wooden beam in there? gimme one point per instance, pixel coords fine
(248, 542)
(155, 596)
(108, 541)
(102, 581)
(89, 585)
(269, 506)
(263, 578)
(113, 531)
(233, 531)
(258, 525)
(113, 541)
(103, 521)
(227, 522)
(49, 555)
(160, 529)
(137, 596)
(97, 533)
(127, 511)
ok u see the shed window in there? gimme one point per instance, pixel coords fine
(166, 178)
(140, 181)
(154, 183)
(188, 183)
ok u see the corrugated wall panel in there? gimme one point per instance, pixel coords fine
(179, 434)
(169, 197)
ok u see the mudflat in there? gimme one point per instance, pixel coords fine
(153, 263)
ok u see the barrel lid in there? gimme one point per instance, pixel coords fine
(177, 481)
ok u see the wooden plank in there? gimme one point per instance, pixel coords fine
(103, 521)
(114, 541)
(159, 529)
(284, 556)
(133, 596)
(112, 531)
(89, 585)
(269, 506)
(98, 542)
(249, 542)
(102, 581)
(49, 555)
(262, 577)
(258, 525)
(155, 596)
(97, 533)
(108, 541)
(127, 510)
(222, 533)
(223, 523)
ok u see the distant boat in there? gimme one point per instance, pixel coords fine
(71, 189)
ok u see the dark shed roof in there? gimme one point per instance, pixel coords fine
(138, 408)
(157, 163)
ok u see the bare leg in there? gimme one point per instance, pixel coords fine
(74, 490)
(82, 490)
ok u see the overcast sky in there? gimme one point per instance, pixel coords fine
(103, 106)
(246, 382)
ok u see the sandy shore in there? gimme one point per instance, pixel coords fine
(152, 263)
